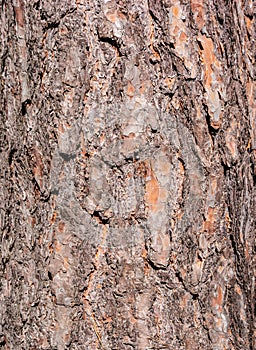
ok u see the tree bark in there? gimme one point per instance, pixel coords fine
(128, 144)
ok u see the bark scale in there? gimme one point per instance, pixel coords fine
(128, 145)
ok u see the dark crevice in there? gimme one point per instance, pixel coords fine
(226, 169)
(4, 59)
(233, 244)
(37, 5)
(178, 275)
(253, 171)
(11, 156)
(52, 25)
(171, 45)
(153, 16)
(112, 42)
(68, 13)
(200, 45)
(165, 92)
(219, 18)
(50, 276)
(24, 106)
(155, 267)
(45, 196)
(195, 296)
(213, 132)
(2, 340)
(100, 218)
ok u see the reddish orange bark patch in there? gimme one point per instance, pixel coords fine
(238, 290)
(176, 31)
(61, 128)
(218, 300)
(152, 191)
(145, 85)
(130, 90)
(121, 15)
(19, 14)
(232, 147)
(111, 16)
(108, 319)
(61, 226)
(142, 88)
(208, 58)
(58, 246)
(183, 36)
(246, 251)
(197, 7)
(250, 91)
(169, 82)
(65, 263)
(249, 23)
(175, 11)
(53, 218)
(38, 167)
(33, 222)
(213, 186)
(209, 224)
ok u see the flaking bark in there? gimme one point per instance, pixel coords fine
(128, 145)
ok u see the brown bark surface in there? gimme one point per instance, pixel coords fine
(128, 144)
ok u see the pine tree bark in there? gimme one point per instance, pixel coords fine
(128, 143)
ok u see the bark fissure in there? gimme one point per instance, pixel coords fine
(127, 175)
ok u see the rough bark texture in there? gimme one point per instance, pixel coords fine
(128, 143)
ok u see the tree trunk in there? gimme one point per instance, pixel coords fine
(128, 144)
